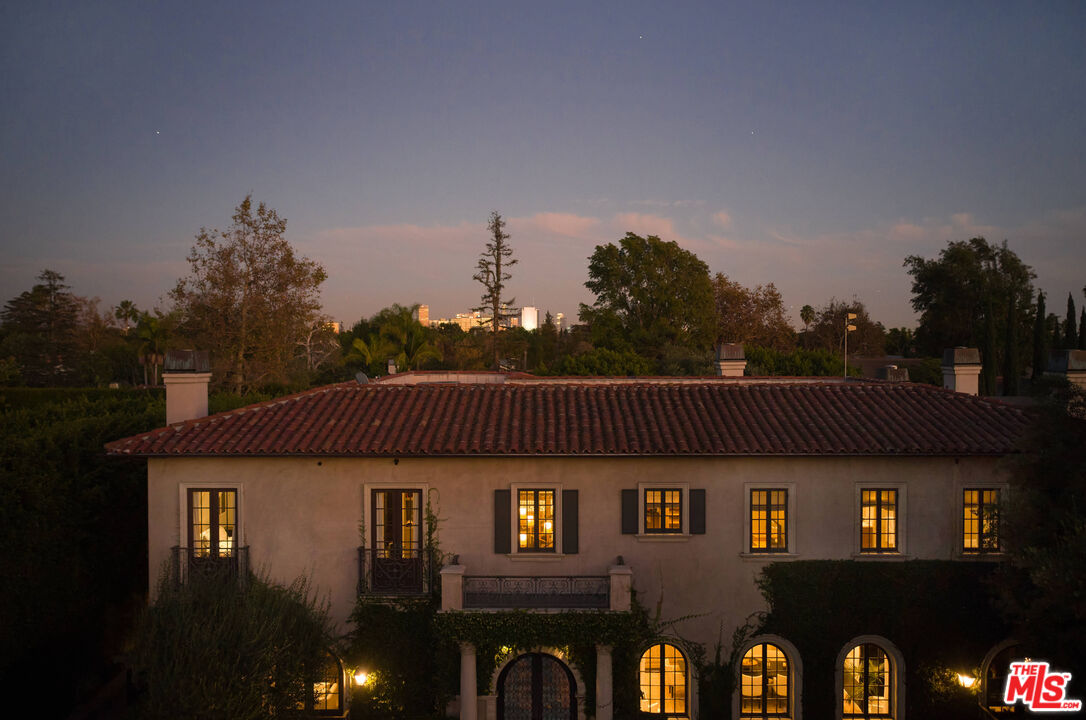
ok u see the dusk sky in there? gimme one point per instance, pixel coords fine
(812, 145)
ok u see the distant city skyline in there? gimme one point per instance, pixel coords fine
(814, 146)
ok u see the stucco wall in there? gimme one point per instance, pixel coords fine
(303, 516)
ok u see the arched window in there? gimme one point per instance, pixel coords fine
(765, 683)
(325, 694)
(662, 677)
(868, 683)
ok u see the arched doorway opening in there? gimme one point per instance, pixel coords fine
(537, 686)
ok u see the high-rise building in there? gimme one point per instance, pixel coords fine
(560, 322)
(422, 314)
(529, 317)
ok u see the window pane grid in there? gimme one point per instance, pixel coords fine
(662, 680)
(980, 521)
(867, 683)
(765, 683)
(535, 520)
(768, 520)
(878, 520)
(663, 511)
(213, 523)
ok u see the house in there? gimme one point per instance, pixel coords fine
(569, 494)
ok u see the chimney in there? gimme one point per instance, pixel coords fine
(961, 370)
(186, 374)
(1070, 364)
(730, 360)
(892, 373)
(391, 366)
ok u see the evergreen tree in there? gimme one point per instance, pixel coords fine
(988, 354)
(1082, 330)
(1040, 356)
(1010, 352)
(1070, 330)
(492, 276)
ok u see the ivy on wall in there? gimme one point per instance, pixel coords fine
(939, 614)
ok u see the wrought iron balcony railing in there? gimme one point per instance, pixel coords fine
(184, 563)
(577, 591)
(396, 572)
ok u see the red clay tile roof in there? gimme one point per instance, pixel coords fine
(554, 418)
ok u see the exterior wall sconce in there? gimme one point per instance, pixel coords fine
(966, 681)
(361, 677)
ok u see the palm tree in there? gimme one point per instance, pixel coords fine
(408, 338)
(416, 349)
(373, 349)
(127, 311)
(807, 315)
(153, 337)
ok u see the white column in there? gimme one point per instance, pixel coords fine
(469, 704)
(604, 708)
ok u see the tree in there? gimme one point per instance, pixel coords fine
(752, 316)
(152, 335)
(988, 350)
(38, 330)
(1070, 331)
(1040, 355)
(807, 315)
(649, 294)
(1044, 533)
(319, 345)
(492, 276)
(952, 294)
(127, 312)
(828, 332)
(406, 339)
(219, 648)
(249, 298)
(1082, 330)
(1010, 352)
(900, 341)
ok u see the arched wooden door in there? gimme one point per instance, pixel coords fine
(536, 686)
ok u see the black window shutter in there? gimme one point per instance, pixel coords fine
(629, 512)
(697, 512)
(570, 537)
(502, 499)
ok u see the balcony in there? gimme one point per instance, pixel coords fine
(536, 592)
(395, 572)
(183, 564)
(575, 591)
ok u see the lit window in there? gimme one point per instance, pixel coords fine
(768, 521)
(395, 562)
(662, 676)
(878, 521)
(213, 515)
(663, 511)
(324, 695)
(535, 520)
(980, 521)
(765, 683)
(867, 683)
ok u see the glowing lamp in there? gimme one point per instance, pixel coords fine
(966, 681)
(361, 677)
